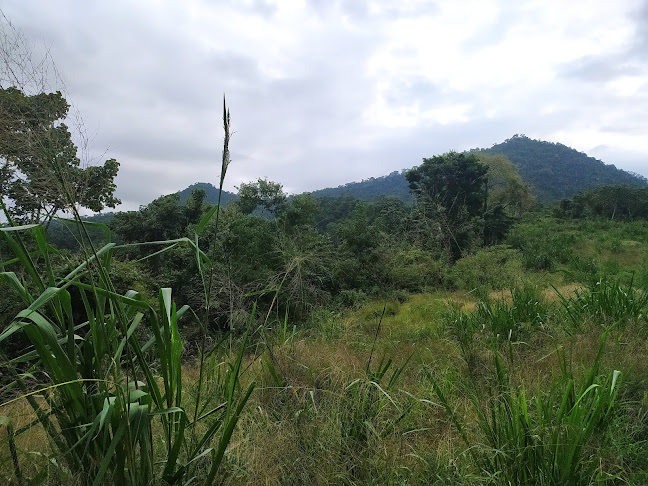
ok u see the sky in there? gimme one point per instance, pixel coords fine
(325, 92)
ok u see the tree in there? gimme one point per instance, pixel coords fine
(40, 172)
(454, 182)
(451, 189)
(300, 211)
(624, 203)
(505, 187)
(267, 195)
(162, 219)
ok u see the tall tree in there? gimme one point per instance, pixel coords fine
(451, 188)
(40, 172)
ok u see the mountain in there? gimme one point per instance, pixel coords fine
(393, 184)
(211, 194)
(555, 171)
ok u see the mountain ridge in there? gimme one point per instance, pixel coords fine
(553, 170)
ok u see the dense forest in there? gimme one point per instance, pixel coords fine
(459, 334)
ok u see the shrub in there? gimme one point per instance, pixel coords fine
(496, 267)
(543, 244)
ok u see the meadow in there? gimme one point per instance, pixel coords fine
(527, 368)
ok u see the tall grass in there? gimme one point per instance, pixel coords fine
(605, 299)
(109, 366)
(542, 439)
(513, 318)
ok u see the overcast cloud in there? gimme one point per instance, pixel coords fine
(326, 92)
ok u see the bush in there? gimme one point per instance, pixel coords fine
(413, 269)
(543, 244)
(496, 267)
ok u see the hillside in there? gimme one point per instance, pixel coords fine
(393, 184)
(556, 171)
(211, 194)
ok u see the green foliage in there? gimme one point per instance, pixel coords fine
(41, 173)
(542, 243)
(300, 212)
(463, 327)
(413, 269)
(451, 190)
(394, 185)
(505, 187)
(334, 210)
(606, 299)
(211, 194)
(98, 377)
(542, 439)
(495, 267)
(364, 402)
(507, 319)
(625, 203)
(104, 398)
(163, 219)
(351, 298)
(454, 182)
(263, 194)
(513, 320)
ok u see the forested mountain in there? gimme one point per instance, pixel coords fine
(555, 171)
(211, 194)
(393, 184)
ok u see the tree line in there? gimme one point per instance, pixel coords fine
(297, 252)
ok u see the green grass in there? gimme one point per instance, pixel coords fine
(607, 300)
(540, 439)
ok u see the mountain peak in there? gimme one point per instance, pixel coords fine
(556, 171)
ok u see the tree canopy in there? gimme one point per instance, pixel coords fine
(451, 189)
(454, 181)
(505, 187)
(264, 194)
(40, 172)
(556, 171)
(607, 202)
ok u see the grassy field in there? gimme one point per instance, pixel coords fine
(529, 369)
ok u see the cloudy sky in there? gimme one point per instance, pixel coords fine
(324, 92)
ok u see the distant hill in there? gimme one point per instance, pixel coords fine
(555, 171)
(211, 194)
(393, 184)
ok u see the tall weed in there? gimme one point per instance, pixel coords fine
(542, 439)
(109, 392)
(605, 299)
(526, 310)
